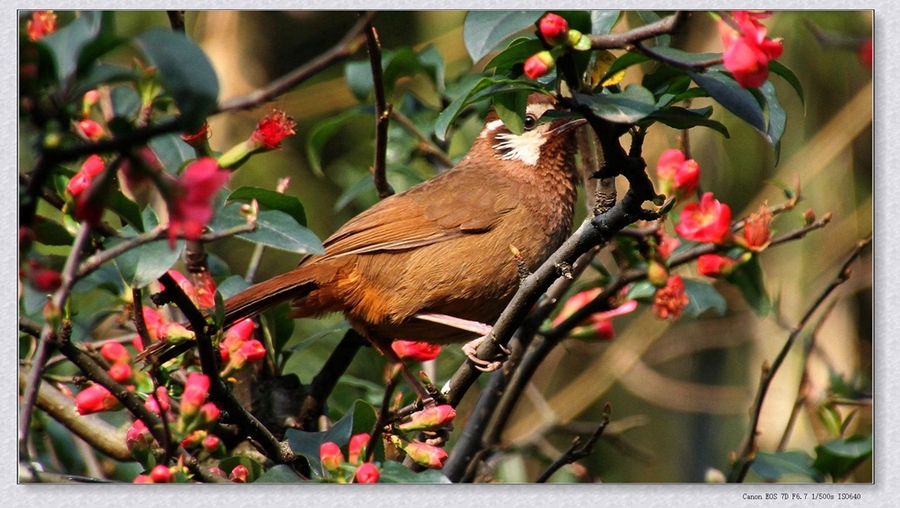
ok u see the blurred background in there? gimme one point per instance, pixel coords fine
(680, 392)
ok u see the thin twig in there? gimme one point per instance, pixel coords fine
(44, 346)
(742, 465)
(346, 47)
(426, 145)
(623, 40)
(382, 114)
(578, 450)
(383, 414)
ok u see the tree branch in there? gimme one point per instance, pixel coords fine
(382, 114)
(666, 25)
(578, 450)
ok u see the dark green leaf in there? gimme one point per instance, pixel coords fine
(125, 101)
(511, 110)
(273, 201)
(323, 131)
(273, 228)
(642, 291)
(279, 322)
(702, 297)
(50, 232)
(433, 62)
(366, 184)
(649, 17)
(127, 210)
(306, 444)
(358, 76)
(748, 277)
(777, 116)
(623, 62)
(681, 118)
(280, 474)
(688, 58)
(394, 472)
(517, 52)
(484, 30)
(602, 21)
(145, 264)
(185, 71)
(482, 89)
(172, 151)
(66, 44)
(775, 466)
(106, 277)
(232, 286)
(729, 94)
(839, 457)
(102, 74)
(629, 106)
(782, 70)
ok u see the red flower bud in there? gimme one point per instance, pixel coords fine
(209, 413)
(78, 183)
(152, 320)
(357, 447)
(367, 473)
(44, 279)
(121, 372)
(91, 129)
(163, 395)
(657, 274)
(433, 418)
(142, 478)
(138, 437)
(707, 221)
(195, 390)
(239, 474)
(425, 454)
(676, 174)
(670, 300)
(174, 332)
(91, 97)
(271, 130)
(160, 474)
(93, 166)
(115, 352)
(554, 29)
(714, 265)
(538, 64)
(415, 351)
(331, 456)
(94, 399)
(212, 443)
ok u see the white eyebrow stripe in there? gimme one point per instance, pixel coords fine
(490, 127)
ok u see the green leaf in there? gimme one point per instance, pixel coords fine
(603, 21)
(732, 96)
(684, 56)
(102, 74)
(145, 264)
(511, 110)
(782, 70)
(125, 101)
(366, 184)
(280, 473)
(629, 106)
(394, 472)
(273, 229)
(775, 466)
(360, 419)
(358, 76)
(127, 210)
(517, 52)
(232, 286)
(484, 30)
(643, 291)
(482, 89)
(649, 17)
(272, 200)
(50, 232)
(748, 277)
(839, 457)
(254, 468)
(66, 44)
(623, 62)
(172, 151)
(776, 114)
(702, 297)
(433, 62)
(681, 118)
(185, 71)
(323, 131)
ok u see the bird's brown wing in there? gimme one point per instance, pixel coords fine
(449, 205)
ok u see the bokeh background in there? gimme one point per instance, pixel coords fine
(680, 392)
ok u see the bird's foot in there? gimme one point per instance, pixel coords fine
(471, 348)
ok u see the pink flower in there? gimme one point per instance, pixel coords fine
(191, 207)
(174, 332)
(671, 299)
(211, 443)
(138, 437)
(714, 265)
(251, 351)
(677, 175)
(747, 54)
(367, 473)
(357, 447)
(209, 413)
(707, 221)
(538, 64)
(432, 418)
(142, 478)
(120, 372)
(95, 399)
(42, 23)
(78, 183)
(330, 455)
(239, 474)
(415, 351)
(554, 29)
(93, 166)
(196, 389)
(163, 395)
(271, 130)
(235, 337)
(597, 325)
(152, 321)
(115, 352)
(42, 278)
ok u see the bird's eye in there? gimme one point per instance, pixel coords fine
(530, 122)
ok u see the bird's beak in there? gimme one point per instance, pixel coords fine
(560, 126)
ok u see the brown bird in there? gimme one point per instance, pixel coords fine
(434, 263)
